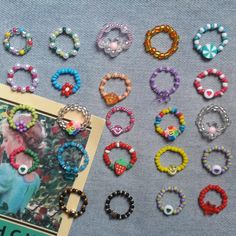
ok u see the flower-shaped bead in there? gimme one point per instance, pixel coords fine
(67, 89)
(21, 126)
(73, 127)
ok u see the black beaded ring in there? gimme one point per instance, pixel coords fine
(115, 215)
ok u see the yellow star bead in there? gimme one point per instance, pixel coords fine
(7, 34)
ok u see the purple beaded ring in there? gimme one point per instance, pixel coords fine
(164, 95)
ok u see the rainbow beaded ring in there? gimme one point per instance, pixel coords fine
(171, 132)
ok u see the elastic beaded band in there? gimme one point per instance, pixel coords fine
(66, 89)
(156, 30)
(33, 72)
(73, 213)
(112, 98)
(117, 130)
(113, 47)
(209, 208)
(112, 213)
(209, 93)
(168, 209)
(164, 95)
(24, 169)
(120, 166)
(55, 49)
(22, 33)
(210, 50)
(171, 132)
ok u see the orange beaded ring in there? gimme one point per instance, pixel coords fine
(156, 30)
(112, 98)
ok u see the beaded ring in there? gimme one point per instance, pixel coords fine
(73, 213)
(23, 33)
(209, 93)
(72, 171)
(168, 209)
(20, 125)
(161, 29)
(112, 98)
(112, 213)
(73, 127)
(171, 169)
(210, 50)
(171, 132)
(117, 130)
(113, 47)
(66, 89)
(164, 95)
(24, 169)
(55, 49)
(209, 208)
(211, 130)
(120, 166)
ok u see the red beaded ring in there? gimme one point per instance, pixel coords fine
(207, 207)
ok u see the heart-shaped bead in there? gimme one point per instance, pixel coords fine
(209, 93)
(117, 130)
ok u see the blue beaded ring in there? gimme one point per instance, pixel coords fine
(66, 89)
(210, 50)
(72, 171)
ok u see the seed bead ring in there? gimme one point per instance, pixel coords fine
(112, 213)
(169, 210)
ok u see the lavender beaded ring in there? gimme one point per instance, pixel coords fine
(164, 95)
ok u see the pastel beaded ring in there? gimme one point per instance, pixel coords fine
(216, 169)
(29, 88)
(113, 47)
(72, 170)
(209, 93)
(120, 165)
(210, 50)
(73, 127)
(113, 214)
(66, 89)
(15, 32)
(117, 130)
(73, 213)
(164, 95)
(19, 124)
(24, 169)
(112, 98)
(207, 207)
(54, 47)
(171, 132)
(155, 52)
(168, 209)
(212, 130)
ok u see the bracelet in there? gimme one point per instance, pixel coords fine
(211, 130)
(164, 95)
(19, 124)
(34, 76)
(73, 213)
(113, 47)
(120, 166)
(117, 130)
(171, 132)
(210, 50)
(112, 98)
(168, 209)
(73, 127)
(24, 34)
(209, 208)
(216, 169)
(113, 214)
(58, 51)
(209, 93)
(156, 30)
(66, 89)
(24, 169)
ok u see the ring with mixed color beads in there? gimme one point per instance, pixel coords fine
(120, 166)
(15, 32)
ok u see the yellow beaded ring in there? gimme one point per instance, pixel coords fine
(171, 169)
